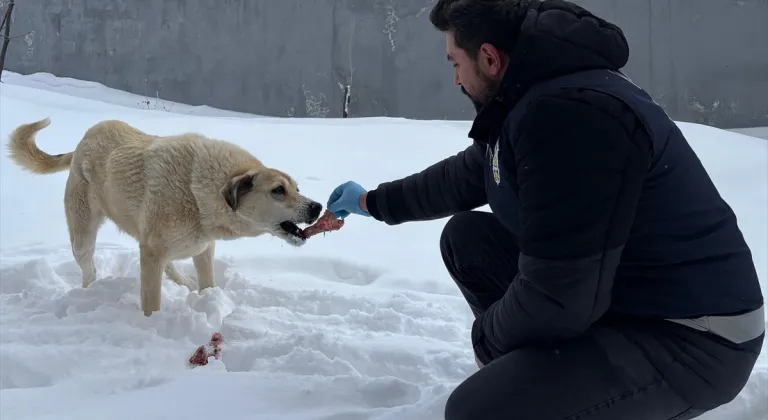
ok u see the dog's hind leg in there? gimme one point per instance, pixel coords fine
(152, 265)
(84, 218)
(178, 278)
(204, 266)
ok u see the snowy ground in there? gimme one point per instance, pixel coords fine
(359, 324)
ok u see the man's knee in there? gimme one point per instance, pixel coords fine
(465, 404)
(455, 407)
(480, 255)
(458, 234)
(474, 238)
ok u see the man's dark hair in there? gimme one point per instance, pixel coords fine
(475, 22)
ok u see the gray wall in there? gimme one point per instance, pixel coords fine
(705, 61)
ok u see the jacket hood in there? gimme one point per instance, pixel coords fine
(555, 38)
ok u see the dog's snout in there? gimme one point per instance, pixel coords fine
(314, 209)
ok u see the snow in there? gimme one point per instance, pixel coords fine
(363, 323)
(99, 92)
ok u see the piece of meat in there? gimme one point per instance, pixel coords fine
(326, 223)
(213, 348)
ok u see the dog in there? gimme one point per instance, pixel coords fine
(176, 195)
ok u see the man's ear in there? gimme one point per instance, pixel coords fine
(236, 187)
(491, 59)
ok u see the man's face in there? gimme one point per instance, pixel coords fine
(480, 77)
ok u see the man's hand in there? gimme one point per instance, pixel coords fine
(348, 198)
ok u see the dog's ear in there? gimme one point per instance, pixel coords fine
(236, 187)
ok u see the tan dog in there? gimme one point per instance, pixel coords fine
(175, 195)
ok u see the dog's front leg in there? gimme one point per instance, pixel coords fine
(152, 264)
(204, 266)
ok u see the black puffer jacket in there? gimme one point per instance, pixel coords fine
(610, 217)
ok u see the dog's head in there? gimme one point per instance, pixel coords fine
(269, 201)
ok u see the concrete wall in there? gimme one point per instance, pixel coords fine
(704, 60)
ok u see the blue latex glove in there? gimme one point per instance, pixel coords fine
(345, 199)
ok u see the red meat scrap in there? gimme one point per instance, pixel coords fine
(213, 348)
(326, 223)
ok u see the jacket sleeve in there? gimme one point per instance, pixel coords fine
(580, 171)
(452, 185)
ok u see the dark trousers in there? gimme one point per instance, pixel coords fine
(610, 372)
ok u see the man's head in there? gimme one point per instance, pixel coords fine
(480, 35)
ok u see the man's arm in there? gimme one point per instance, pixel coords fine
(445, 188)
(580, 171)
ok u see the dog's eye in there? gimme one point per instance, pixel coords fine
(278, 190)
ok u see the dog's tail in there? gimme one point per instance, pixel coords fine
(23, 150)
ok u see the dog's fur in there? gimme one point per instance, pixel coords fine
(175, 195)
